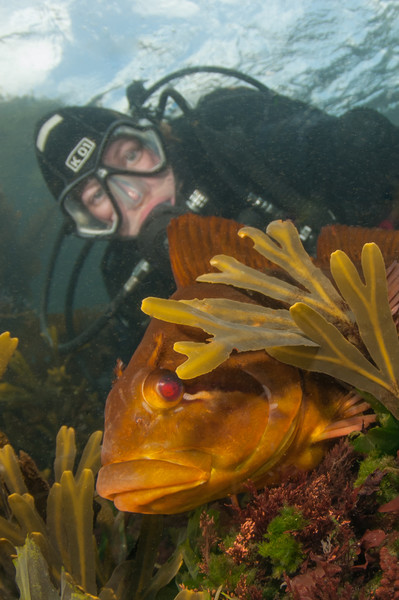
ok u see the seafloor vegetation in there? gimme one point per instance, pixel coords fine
(328, 534)
(332, 533)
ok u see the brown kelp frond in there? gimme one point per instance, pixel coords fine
(75, 499)
(71, 496)
(355, 337)
(34, 581)
(257, 327)
(7, 348)
(370, 306)
(281, 245)
(65, 540)
(57, 554)
(65, 451)
(10, 471)
(337, 356)
(31, 566)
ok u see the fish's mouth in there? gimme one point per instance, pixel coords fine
(134, 485)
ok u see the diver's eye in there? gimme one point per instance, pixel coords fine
(163, 389)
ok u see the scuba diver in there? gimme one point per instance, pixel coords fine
(243, 152)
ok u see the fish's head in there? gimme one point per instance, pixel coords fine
(170, 445)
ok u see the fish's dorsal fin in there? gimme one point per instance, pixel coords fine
(352, 239)
(393, 290)
(194, 240)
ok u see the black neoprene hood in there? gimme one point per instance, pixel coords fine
(68, 142)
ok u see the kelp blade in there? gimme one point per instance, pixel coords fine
(370, 305)
(245, 327)
(7, 349)
(32, 575)
(335, 356)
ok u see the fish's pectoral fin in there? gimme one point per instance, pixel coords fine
(345, 427)
(350, 417)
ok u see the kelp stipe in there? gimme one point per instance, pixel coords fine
(350, 335)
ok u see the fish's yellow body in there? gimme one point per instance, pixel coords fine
(171, 444)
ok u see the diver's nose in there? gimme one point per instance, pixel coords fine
(127, 190)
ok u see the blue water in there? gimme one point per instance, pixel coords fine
(330, 53)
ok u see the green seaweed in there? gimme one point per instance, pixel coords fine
(280, 545)
(385, 464)
(384, 437)
(349, 334)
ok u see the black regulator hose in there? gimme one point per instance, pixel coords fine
(77, 341)
(137, 94)
(153, 248)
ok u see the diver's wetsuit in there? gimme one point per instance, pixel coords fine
(314, 168)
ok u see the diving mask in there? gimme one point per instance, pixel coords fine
(105, 199)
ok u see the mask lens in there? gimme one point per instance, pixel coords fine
(91, 208)
(130, 149)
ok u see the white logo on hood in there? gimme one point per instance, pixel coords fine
(80, 154)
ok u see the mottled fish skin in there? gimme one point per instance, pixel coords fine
(170, 445)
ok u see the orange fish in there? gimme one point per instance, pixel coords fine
(171, 445)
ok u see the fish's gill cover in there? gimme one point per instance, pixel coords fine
(350, 335)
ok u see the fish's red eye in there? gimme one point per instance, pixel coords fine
(170, 387)
(162, 389)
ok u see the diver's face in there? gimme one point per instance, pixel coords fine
(135, 195)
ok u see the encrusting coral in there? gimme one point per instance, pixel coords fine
(350, 335)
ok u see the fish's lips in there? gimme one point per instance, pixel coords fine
(136, 483)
